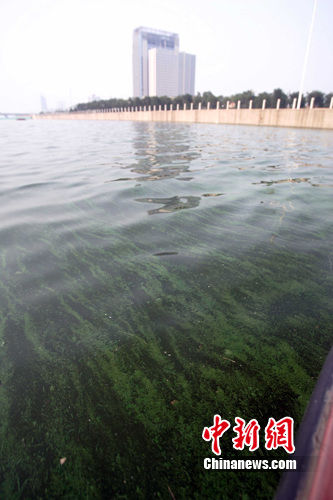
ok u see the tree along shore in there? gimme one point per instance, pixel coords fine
(286, 100)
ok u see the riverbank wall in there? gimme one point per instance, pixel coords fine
(318, 118)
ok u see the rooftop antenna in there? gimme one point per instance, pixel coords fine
(306, 55)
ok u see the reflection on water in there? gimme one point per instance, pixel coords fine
(160, 156)
(121, 334)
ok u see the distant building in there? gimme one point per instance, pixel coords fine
(158, 67)
(61, 106)
(163, 72)
(186, 73)
(43, 104)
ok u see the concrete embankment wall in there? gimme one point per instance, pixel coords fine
(320, 118)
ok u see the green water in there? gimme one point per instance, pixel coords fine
(152, 275)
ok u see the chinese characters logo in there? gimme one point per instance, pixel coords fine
(278, 433)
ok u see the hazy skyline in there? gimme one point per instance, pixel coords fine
(67, 50)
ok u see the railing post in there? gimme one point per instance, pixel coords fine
(227, 104)
(238, 104)
(294, 103)
(312, 102)
(177, 107)
(278, 104)
(165, 107)
(218, 105)
(184, 107)
(208, 105)
(160, 107)
(263, 104)
(191, 106)
(171, 107)
(199, 105)
(331, 103)
(154, 107)
(250, 104)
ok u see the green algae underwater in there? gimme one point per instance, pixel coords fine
(133, 311)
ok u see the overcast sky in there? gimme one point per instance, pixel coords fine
(68, 50)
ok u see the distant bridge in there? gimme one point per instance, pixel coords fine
(15, 116)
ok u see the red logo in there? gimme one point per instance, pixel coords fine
(280, 433)
(277, 433)
(246, 435)
(215, 432)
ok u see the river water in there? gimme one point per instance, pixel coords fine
(153, 275)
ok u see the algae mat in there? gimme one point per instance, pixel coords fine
(153, 275)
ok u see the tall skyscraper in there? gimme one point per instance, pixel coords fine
(163, 72)
(158, 67)
(186, 73)
(145, 39)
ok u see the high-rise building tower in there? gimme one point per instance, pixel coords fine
(145, 39)
(163, 72)
(158, 66)
(186, 73)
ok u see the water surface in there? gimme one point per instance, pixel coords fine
(153, 275)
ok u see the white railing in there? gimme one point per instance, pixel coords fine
(230, 105)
